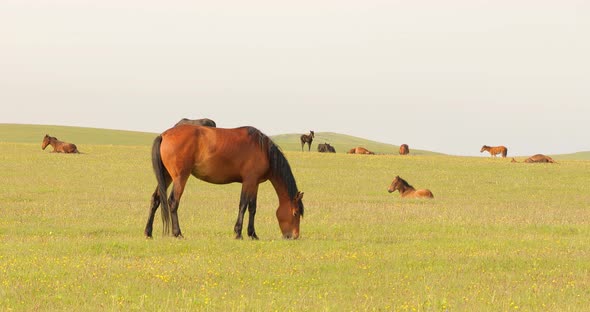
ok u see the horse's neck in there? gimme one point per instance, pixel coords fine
(281, 190)
(406, 189)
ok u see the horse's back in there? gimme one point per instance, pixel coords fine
(68, 148)
(197, 122)
(215, 155)
(72, 148)
(423, 193)
(361, 150)
(539, 158)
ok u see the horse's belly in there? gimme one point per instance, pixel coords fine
(220, 176)
(216, 178)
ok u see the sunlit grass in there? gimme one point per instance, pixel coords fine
(497, 236)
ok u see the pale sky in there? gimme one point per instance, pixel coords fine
(447, 76)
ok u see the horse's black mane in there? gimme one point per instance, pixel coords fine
(405, 183)
(279, 166)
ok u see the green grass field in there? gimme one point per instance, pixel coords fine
(498, 236)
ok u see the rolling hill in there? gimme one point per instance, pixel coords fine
(17, 133)
(22, 133)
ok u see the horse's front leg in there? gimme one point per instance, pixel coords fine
(153, 207)
(251, 214)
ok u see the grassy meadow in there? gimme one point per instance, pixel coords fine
(498, 236)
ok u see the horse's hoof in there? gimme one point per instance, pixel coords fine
(254, 237)
(239, 236)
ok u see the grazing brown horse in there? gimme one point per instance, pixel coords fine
(307, 138)
(58, 146)
(495, 150)
(404, 149)
(360, 150)
(540, 158)
(406, 190)
(223, 156)
(197, 122)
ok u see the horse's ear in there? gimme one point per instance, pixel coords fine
(299, 196)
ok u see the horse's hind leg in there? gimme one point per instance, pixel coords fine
(153, 207)
(155, 203)
(175, 195)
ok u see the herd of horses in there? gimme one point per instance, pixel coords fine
(495, 150)
(244, 155)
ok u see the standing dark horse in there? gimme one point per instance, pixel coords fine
(223, 156)
(326, 148)
(406, 190)
(197, 122)
(58, 146)
(307, 138)
(495, 150)
(404, 149)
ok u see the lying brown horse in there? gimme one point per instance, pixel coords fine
(540, 158)
(406, 190)
(495, 150)
(360, 150)
(197, 122)
(223, 156)
(404, 149)
(58, 146)
(307, 138)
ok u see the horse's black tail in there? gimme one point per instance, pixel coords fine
(505, 152)
(160, 172)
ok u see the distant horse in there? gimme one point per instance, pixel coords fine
(223, 156)
(307, 138)
(540, 158)
(197, 122)
(360, 150)
(495, 150)
(406, 190)
(58, 146)
(404, 149)
(326, 148)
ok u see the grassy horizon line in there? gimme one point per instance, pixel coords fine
(33, 133)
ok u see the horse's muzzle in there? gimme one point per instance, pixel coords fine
(291, 235)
